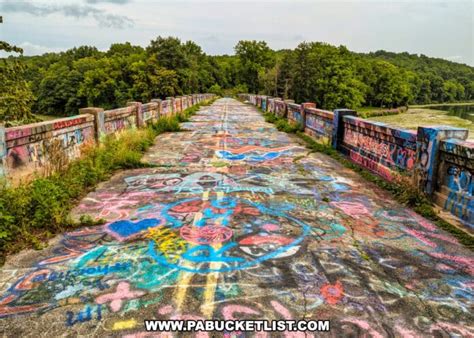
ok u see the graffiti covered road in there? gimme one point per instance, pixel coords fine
(239, 221)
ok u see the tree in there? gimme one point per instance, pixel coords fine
(150, 81)
(391, 87)
(168, 52)
(16, 97)
(285, 75)
(254, 57)
(333, 77)
(57, 92)
(453, 91)
(326, 75)
(215, 89)
(124, 49)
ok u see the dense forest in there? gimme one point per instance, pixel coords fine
(61, 83)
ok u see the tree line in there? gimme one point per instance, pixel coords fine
(333, 77)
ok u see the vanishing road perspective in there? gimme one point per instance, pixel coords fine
(236, 220)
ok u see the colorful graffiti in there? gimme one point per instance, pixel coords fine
(319, 125)
(115, 122)
(294, 113)
(388, 154)
(294, 237)
(28, 151)
(455, 186)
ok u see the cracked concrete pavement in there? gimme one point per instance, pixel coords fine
(240, 221)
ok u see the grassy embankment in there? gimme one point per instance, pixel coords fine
(419, 115)
(34, 211)
(405, 194)
(416, 117)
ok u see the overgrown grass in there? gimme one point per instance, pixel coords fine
(382, 112)
(34, 211)
(415, 117)
(281, 124)
(402, 192)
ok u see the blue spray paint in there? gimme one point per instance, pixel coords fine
(126, 229)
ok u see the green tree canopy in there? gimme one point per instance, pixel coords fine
(16, 97)
(333, 77)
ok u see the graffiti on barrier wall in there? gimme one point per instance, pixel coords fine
(115, 125)
(460, 198)
(289, 240)
(388, 154)
(34, 153)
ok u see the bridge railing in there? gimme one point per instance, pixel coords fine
(437, 160)
(455, 182)
(25, 150)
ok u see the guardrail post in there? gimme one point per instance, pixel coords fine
(138, 112)
(338, 125)
(303, 112)
(172, 110)
(99, 120)
(427, 153)
(158, 113)
(285, 114)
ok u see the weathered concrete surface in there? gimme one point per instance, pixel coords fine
(240, 221)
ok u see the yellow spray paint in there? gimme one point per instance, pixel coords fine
(124, 324)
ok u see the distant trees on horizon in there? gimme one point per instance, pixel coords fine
(333, 77)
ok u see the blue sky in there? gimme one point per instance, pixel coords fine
(439, 29)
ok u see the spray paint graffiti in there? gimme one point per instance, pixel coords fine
(319, 124)
(386, 153)
(33, 154)
(455, 186)
(299, 238)
(460, 200)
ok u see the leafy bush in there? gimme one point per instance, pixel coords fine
(215, 89)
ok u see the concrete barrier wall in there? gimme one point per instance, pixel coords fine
(294, 113)
(177, 105)
(436, 160)
(319, 124)
(166, 107)
(184, 103)
(382, 149)
(280, 108)
(150, 112)
(189, 100)
(455, 180)
(271, 105)
(27, 149)
(263, 103)
(297, 112)
(274, 104)
(119, 119)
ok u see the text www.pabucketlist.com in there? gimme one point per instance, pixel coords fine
(237, 325)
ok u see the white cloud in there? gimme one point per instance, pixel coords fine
(69, 10)
(420, 27)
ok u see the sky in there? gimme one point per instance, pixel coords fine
(437, 29)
